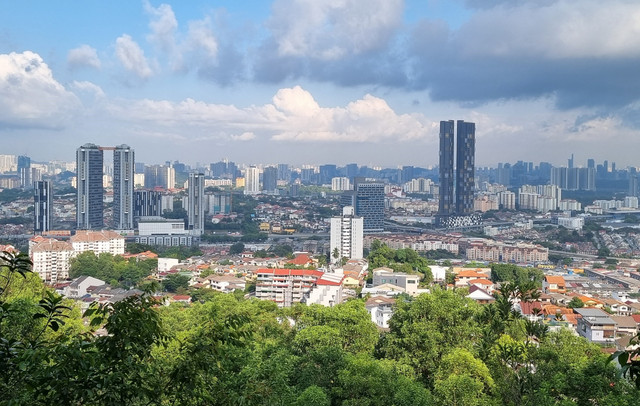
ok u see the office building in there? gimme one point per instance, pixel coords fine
(195, 209)
(123, 182)
(284, 173)
(457, 194)
(42, 206)
(147, 203)
(252, 180)
(368, 201)
(347, 234)
(270, 179)
(326, 173)
(90, 193)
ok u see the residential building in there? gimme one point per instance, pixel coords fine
(554, 284)
(123, 183)
(347, 232)
(42, 206)
(479, 249)
(146, 203)
(464, 182)
(103, 241)
(50, 259)
(285, 286)
(252, 180)
(381, 309)
(80, 286)
(386, 275)
(340, 184)
(24, 171)
(270, 180)
(596, 326)
(446, 203)
(90, 192)
(159, 176)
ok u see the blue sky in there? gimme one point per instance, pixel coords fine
(323, 81)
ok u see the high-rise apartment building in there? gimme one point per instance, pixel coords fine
(24, 171)
(43, 206)
(147, 203)
(456, 194)
(123, 182)
(195, 209)
(251, 180)
(347, 235)
(465, 167)
(90, 193)
(159, 176)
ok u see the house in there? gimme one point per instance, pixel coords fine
(463, 277)
(381, 309)
(480, 295)
(554, 284)
(79, 287)
(617, 307)
(327, 290)
(407, 282)
(531, 310)
(482, 283)
(595, 325)
(302, 260)
(386, 289)
(224, 283)
(626, 325)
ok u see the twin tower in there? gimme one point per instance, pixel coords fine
(459, 203)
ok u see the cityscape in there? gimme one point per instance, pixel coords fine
(320, 203)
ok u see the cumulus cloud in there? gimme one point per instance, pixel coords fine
(83, 57)
(163, 27)
(88, 88)
(293, 115)
(29, 94)
(132, 58)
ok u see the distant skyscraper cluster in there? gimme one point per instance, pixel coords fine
(456, 193)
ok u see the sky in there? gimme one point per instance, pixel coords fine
(322, 81)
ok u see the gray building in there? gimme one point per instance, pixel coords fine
(445, 205)
(147, 203)
(368, 201)
(90, 193)
(270, 179)
(123, 180)
(195, 209)
(43, 206)
(465, 167)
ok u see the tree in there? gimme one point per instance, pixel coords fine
(575, 303)
(237, 248)
(174, 282)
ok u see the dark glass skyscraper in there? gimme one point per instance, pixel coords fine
(195, 209)
(368, 196)
(89, 206)
(270, 179)
(445, 206)
(465, 167)
(460, 203)
(42, 205)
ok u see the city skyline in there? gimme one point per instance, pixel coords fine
(315, 82)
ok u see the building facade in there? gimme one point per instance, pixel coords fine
(42, 206)
(195, 210)
(457, 190)
(90, 192)
(446, 204)
(252, 180)
(347, 234)
(369, 203)
(123, 183)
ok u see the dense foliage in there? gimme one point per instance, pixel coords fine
(441, 349)
(115, 270)
(401, 260)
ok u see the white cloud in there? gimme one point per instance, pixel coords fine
(246, 136)
(163, 26)
(132, 57)
(29, 94)
(331, 29)
(83, 57)
(293, 116)
(88, 87)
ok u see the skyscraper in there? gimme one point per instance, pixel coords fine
(89, 206)
(462, 202)
(252, 181)
(123, 170)
(24, 171)
(42, 205)
(465, 167)
(147, 203)
(368, 196)
(270, 179)
(195, 210)
(445, 205)
(346, 235)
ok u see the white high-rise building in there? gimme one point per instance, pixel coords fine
(252, 180)
(123, 169)
(347, 234)
(341, 183)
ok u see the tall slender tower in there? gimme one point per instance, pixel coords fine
(465, 167)
(346, 235)
(90, 193)
(445, 205)
(196, 203)
(123, 170)
(43, 206)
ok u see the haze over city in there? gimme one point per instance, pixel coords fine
(322, 81)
